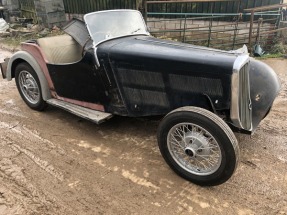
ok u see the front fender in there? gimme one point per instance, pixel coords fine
(264, 87)
(25, 56)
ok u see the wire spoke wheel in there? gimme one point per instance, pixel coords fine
(194, 149)
(29, 87)
(198, 145)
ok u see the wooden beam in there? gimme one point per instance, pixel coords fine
(273, 31)
(265, 7)
(186, 1)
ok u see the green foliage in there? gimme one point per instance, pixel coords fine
(269, 56)
(278, 48)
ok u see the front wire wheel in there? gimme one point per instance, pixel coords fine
(194, 149)
(198, 146)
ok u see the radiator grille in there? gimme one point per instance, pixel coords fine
(244, 97)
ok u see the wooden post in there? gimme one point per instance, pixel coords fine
(210, 24)
(235, 33)
(210, 31)
(139, 4)
(251, 31)
(183, 39)
(145, 11)
(260, 21)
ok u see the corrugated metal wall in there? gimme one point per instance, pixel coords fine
(205, 7)
(86, 6)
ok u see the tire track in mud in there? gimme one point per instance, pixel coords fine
(8, 202)
(28, 135)
(18, 195)
(21, 196)
(41, 163)
(45, 165)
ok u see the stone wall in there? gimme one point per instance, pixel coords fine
(12, 8)
(50, 12)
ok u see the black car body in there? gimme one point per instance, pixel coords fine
(95, 74)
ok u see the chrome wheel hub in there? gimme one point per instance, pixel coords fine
(194, 149)
(29, 87)
(189, 151)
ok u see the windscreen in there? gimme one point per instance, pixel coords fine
(110, 24)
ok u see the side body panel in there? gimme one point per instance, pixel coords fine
(155, 78)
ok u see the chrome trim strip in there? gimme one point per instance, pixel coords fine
(240, 61)
(96, 57)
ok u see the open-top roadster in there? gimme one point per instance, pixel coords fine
(110, 65)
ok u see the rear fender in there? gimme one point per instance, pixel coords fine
(26, 57)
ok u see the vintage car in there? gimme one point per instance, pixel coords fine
(110, 65)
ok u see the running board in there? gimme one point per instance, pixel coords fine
(86, 113)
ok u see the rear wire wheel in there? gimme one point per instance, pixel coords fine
(198, 145)
(29, 87)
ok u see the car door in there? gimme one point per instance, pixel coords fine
(79, 80)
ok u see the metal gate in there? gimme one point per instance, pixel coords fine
(213, 23)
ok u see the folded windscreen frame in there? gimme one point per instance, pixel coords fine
(77, 29)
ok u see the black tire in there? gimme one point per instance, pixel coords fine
(183, 156)
(32, 97)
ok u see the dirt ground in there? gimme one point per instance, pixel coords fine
(53, 162)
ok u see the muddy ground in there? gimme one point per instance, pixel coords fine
(53, 162)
